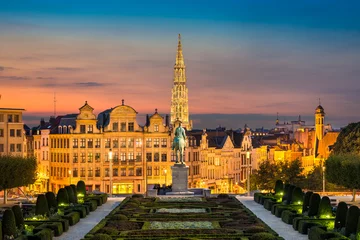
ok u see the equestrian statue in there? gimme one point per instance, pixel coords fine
(179, 143)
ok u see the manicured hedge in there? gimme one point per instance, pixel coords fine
(51, 200)
(314, 205)
(44, 234)
(54, 226)
(92, 204)
(287, 216)
(42, 207)
(306, 202)
(19, 218)
(279, 187)
(325, 208)
(351, 220)
(340, 218)
(71, 194)
(8, 223)
(73, 218)
(81, 188)
(297, 196)
(75, 192)
(101, 236)
(62, 197)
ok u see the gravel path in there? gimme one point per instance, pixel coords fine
(284, 230)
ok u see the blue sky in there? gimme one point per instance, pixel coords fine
(246, 59)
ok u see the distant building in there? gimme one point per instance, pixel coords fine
(12, 133)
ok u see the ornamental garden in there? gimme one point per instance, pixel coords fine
(51, 216)
(310, 214)
(222, 217)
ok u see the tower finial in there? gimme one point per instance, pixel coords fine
(179, 55)
(122, 101)
(319, 101)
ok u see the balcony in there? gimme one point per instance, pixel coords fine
(131, 162)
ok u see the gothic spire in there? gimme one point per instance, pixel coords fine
(179, 62)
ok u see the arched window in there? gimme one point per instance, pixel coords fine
(65, 129)
(60, 129)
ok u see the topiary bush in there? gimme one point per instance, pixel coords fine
(279, 188)
(286, 190)
(297, 196)
(75, 192)
(306, 201)
(325, 208)
(9, 224)
(81, 188)
(119, 217)
(290, 194)
(352, 218)
(51, 200)
(19, 217)
(62, 198)
(314, 205)
(340, 218)
(101, 236)
(71, 194)
(42, 207)
(263, 236)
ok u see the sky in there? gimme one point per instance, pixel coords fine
(245, 60)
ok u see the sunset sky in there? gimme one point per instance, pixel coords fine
(246, 60)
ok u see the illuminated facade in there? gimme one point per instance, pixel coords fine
(80, 151)
(179, 94)
(12, 134)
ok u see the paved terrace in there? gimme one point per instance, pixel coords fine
(284, 230)
(79, 230)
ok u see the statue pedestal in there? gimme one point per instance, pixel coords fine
(180, 175)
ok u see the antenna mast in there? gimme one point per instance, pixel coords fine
(54, 104)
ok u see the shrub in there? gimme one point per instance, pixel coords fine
(101, 236)
(19, 217)
(62, 197)
(314, 205)
(297, 196)
(119, 217)
(306, 202)
(81, 189)
(54, 226)
(75, 192)
(325, 209)
(263, 236)
(51, 200)
(255, 229)
(137, 196)
(9, 223)
(290, 194)
(223, 195)
(279, 187)
(340, 218)
(71, 194)
(351, 220)
(288, 216)
(44, 234)
(42, 207)
(257, 197)
(286, 190)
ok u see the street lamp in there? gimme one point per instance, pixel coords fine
(248, 172)
(165, 171)
(111, 173)
(323, 168)
(70, 176)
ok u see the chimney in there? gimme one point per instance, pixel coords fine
(52, 120)
(147, 120)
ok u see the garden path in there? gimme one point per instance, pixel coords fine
(284, 230)
(79, 230)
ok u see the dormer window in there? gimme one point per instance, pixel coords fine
(123, 127)
(156, 128)
(130, 126)
(60, 129)
(65, 129)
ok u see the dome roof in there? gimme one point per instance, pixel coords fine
(319, 109)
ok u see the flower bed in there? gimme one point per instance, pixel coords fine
(183, 218)
(181, 210)
(180, 225)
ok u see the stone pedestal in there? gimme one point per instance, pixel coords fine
(180, 175)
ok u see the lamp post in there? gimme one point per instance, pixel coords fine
(248, 172)
(165, 172)
(111, 173)
(70, 176)
(323, 168)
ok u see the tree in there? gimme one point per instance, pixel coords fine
(344, 170)
(348, 140)
(15, 172)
